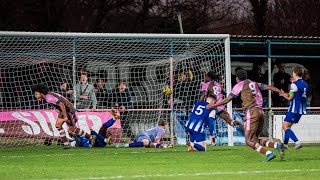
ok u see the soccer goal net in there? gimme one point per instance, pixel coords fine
(133, 73)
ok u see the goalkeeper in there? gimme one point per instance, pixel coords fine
(66, 112)
(149, 138)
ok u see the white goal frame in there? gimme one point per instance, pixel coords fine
(225, 37)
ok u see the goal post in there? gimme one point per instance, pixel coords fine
(228, 86)
(143, 63)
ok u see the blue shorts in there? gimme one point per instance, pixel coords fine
(100, 139)
(100, 144)
(81, 141)
(142, 136)
(196, 136)
(292, 117)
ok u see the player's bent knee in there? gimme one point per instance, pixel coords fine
(285, 126)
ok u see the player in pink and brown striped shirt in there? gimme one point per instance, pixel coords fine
(211, 86)
(66, 111)
(254, 114)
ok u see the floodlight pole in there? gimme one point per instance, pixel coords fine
(180, 23)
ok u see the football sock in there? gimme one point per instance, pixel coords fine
(267, 143)
(109, 123)
(260, 148)
(289, 134)
(62, 133)
(268, 152)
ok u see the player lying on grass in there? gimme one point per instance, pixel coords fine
(98, 139)
(101, 139)
(298, 103)
(254, 114)
(79, 141)
(195, 125)
(66, 112)
(149, 138)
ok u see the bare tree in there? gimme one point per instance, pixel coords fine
(294, 17)
(276, 17)
(259, 10)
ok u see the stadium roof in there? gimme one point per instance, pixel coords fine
(289, 48)
(275, 37)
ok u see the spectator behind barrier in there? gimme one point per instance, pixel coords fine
(86, 97)
(281, 80)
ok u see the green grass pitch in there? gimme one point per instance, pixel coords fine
(222, 162)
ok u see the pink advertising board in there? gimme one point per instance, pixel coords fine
(25, 123)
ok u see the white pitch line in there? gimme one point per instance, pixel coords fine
(195, 174)
(84, 154)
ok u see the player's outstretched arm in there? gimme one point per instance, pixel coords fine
(271, 88)
(289, 96)
(222, 102)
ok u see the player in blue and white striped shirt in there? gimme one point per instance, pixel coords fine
(198, 119)
(298, 103)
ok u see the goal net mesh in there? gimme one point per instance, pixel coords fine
(141, 66)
